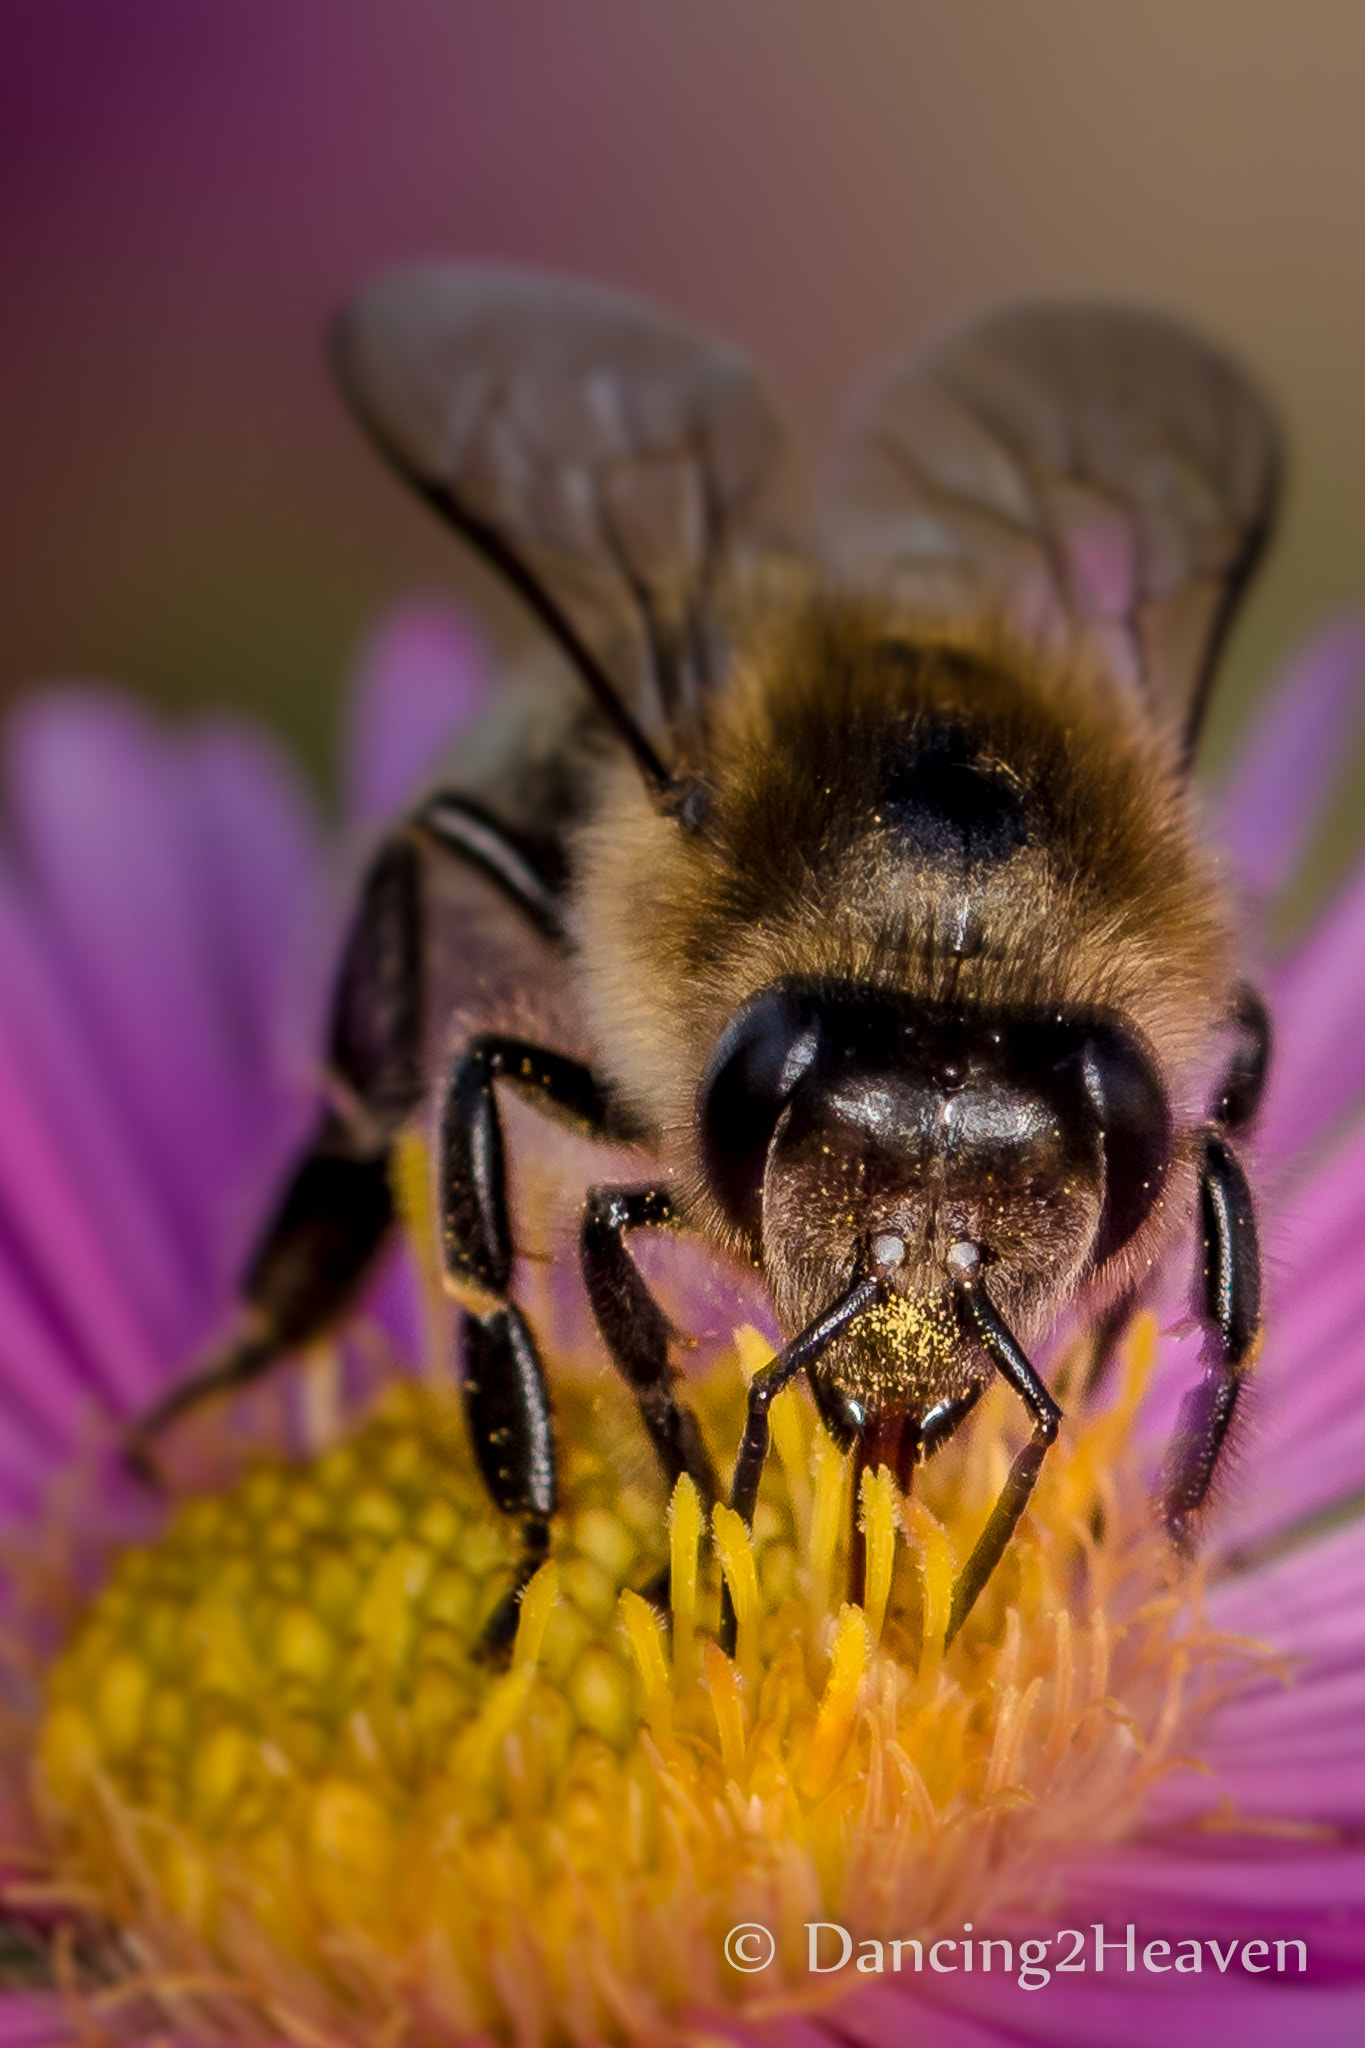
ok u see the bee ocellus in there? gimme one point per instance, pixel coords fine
(854, 874)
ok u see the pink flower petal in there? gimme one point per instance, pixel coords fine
(1116, 2011)
(178, 885)
(1214, 1876)
(877, 2018)
(52, 1057)
(1306, 1604)
(1288, 1750)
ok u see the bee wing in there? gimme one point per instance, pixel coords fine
(614, 464)
(1101, 477)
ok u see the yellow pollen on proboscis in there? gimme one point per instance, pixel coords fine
(277, 1754)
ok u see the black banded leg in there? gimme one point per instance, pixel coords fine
(799, 1355)
(635, 1329)
(475, 1231)
(511, 1426)
(1231, 1308)
(1009, 1361)
(507, 1401)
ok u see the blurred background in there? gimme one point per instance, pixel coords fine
(186, 191)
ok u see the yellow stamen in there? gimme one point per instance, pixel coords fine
(834, 1722)
(722, 1681)
(684, 1530)
(828, 1521)
(645, 1637)
(741, 1576)
(937, 1571)
(879, 1535)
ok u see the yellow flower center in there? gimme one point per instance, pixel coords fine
(276, 1754)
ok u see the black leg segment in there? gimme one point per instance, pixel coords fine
(508, 1406)
(475, 1230)
(506, 1398)
(980, 1318)
(635, 1329)
(1230, 1305)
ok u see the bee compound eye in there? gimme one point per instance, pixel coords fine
(763, 1053)
(1129, 1103)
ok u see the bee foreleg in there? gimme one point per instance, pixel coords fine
(507, 1401)
(1231, 1306)
(1013, 1367)
(635, 1329)
(475, 1230)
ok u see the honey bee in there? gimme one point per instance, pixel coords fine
(857, 875)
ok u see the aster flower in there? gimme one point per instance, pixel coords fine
(256, 1781)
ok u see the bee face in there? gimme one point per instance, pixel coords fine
(848, 1132)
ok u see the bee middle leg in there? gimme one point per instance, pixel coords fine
(1230, 1293)
(1231, 1310)
(506, 1397)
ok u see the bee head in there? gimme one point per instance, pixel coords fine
(846, 1131)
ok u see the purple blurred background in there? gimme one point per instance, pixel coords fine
(187, 187)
